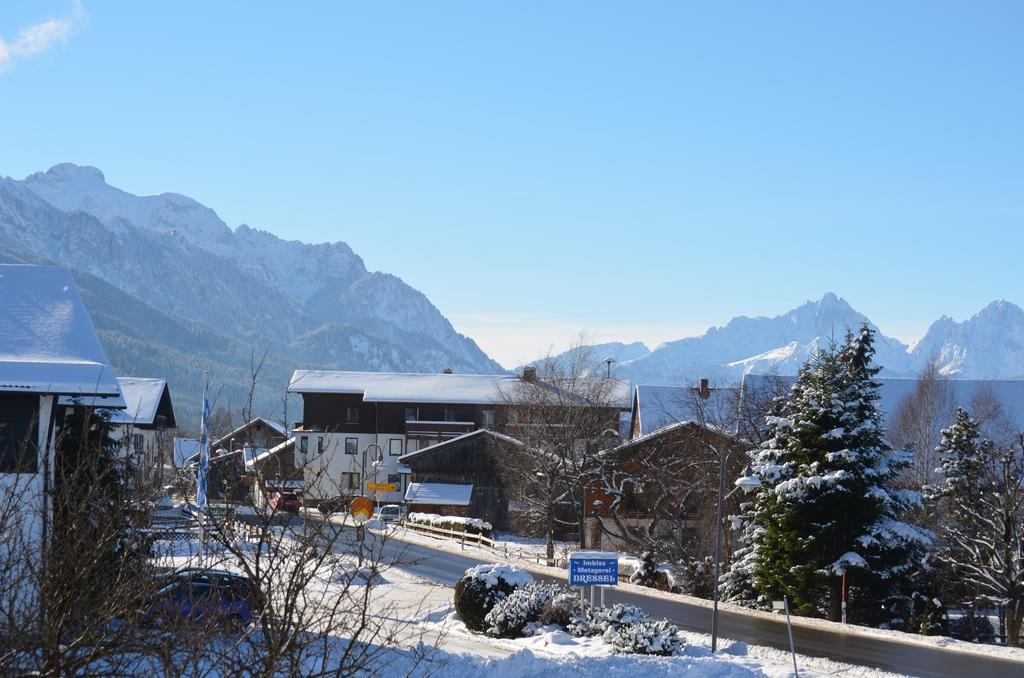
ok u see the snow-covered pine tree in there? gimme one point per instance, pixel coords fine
(982, 499)
(736, 585)
(828, 501)
(961, 465)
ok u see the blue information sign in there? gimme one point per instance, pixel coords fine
(589, 568)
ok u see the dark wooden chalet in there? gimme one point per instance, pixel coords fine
(471, 459)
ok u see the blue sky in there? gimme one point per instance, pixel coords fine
(638, 170)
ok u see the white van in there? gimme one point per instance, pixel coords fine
(390, 513)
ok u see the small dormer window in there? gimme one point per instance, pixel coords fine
(351, 415)
(449, 414)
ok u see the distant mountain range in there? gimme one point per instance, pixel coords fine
(173, 291)
(989, 345)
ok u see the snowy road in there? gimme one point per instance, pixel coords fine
(445, 568)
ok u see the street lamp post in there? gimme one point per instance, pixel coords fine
(362, 474)
(748, 483)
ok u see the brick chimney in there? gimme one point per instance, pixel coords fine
(446, 370)
(529, 374)
(704, 390)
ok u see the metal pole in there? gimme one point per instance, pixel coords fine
(718, 552)
(591, 595)
(789, 626)
(844, 596)
(602, 595)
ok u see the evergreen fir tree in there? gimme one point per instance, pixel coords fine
(736, 585)
(828, 502)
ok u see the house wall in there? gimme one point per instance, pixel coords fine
(22, 505)
(386, 425)
(665, 450)
(325, 418)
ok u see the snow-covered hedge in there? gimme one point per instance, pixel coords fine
(598, 621)
(482, 587)
(509, 617)
(644, 637)
(453, 523)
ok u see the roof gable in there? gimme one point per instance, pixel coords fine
(655, 407)
(143, 399)
(47, 340)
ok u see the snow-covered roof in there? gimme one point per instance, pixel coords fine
(396, 387)
(261, 454)
(47, 340)
(404, 387)
(1010, 394)
(271, 424)
(661, 406)
(441, 494)
(142, 399)
(405, 458)
(666, 430)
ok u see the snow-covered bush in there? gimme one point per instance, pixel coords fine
(596, 621)
(562, 608)
(482, 587)
(644, 576)
(510, 616)
(644, 637)
(453, 523)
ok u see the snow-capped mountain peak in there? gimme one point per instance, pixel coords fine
(988, 345)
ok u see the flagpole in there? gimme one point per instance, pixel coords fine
(204, 461)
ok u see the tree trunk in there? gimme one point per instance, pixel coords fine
(1013, 623)
(835, 602)
(551, 536)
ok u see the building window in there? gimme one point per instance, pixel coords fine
(138, 442)
(487, 418)
(18, 432)
(449, 414)
(350, 481)
(351, 415)
(395, 447)
(304, 446)
(351, 445)
(321, 444)
(395, 479)
(412, 414)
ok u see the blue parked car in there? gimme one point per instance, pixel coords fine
(207, 596)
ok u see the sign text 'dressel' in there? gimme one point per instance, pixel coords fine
(585, 570)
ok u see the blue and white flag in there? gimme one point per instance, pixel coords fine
(204, 452)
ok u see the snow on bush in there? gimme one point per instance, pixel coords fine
(561, 609)
(644, 576)
(510, 617)
(644, 637)
(482, 587)
(453, 523)
(597, 621)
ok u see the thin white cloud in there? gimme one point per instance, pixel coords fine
(35, 39)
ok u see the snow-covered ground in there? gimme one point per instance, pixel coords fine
(553, 652)
(524, 552)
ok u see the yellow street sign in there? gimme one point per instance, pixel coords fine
(382, 487)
